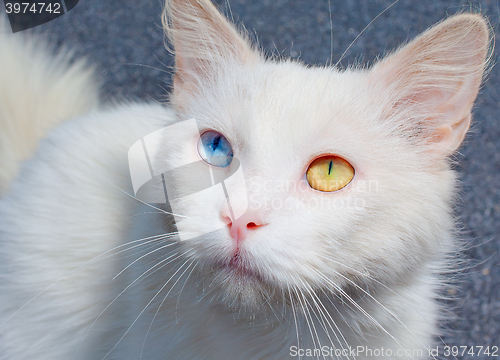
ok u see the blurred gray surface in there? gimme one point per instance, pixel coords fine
(124, 40)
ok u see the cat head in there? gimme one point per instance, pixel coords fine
(386, 131)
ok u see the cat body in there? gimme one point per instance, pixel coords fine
(90, 272)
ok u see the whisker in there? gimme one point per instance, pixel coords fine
(180, 292)
(152, 98)
(266, 300)
(147, 204)
(144, 309)
(129, 286)
(290, 294)
(149, 66)
(360, 94)
(142, 257)
(57, 280)
(341, 315)
(318, 346)
(172, 69)
(331, 31)
(325, 313)
(305, 315)
(362, 31)
(358, 307)
(159, 307)
(373, 298)
(156, 238)
(143, 213)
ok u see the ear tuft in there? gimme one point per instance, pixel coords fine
(204, 41)
(434, 79)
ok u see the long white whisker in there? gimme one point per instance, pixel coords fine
(357, 306)
(362, 31)
(180, 292)
(353, 98)
(149, 67)
(305, 316)
(157, 238)
(143, 213)
(321, 307)
(341, 315)
(295, 317)
(142, 257)
(145, 307)
(331, 31)
(161, 304)
(376, 301)
(168, 259)
(308, 306)
(147, 204)
(91, 261)
(266, 300)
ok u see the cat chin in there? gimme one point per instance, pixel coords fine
(237, 293)
(246, 294)
(239, 288)
(243, 291)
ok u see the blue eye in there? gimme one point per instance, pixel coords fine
(214, 148)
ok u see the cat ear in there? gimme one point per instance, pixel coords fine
(432, 82)
(204, 42)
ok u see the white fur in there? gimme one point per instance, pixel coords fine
(357, 267)
(39, 90)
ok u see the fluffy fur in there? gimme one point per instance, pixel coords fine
(88, 272)
(39, 90)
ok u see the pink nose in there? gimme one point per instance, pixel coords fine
(241, 227)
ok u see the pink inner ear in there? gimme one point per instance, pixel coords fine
(449, 138)
(452, 111)
(448, 114)
(189, 72)
(442, 134)
(434, 80)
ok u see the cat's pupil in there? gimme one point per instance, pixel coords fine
(329, 173)
(215, 142)
(215, 149)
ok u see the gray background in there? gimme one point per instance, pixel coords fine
(124, 40)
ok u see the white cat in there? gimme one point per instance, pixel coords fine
(347, 222)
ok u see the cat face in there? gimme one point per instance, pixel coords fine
(303, 237)
(394, 125)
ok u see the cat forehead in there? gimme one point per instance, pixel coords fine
(300, 108)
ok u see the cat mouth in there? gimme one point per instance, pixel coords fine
(237, 284)
(238, 269)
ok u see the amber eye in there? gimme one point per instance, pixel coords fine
(329, 173)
